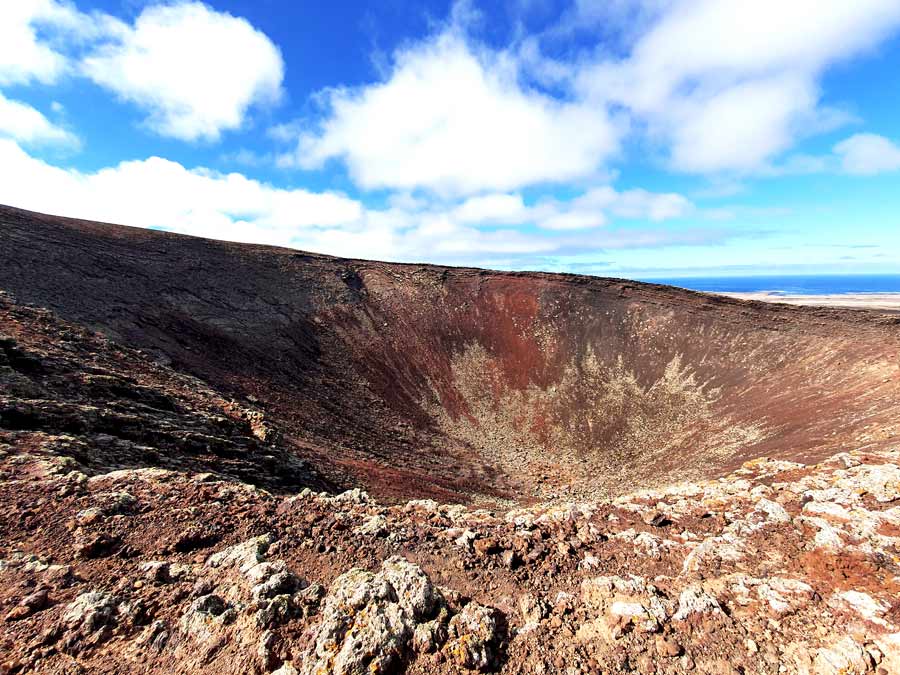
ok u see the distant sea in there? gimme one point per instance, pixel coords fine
(789, 284)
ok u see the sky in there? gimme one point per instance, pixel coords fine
(636, 138)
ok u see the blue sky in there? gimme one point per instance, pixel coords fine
(623, 137)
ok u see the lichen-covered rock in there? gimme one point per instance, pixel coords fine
(91, 611)
(844, 657)
(431, 635)
(368, 620)
(280, 583)
(785, 596)
(373, 526)
(474, 634)
(242, 556)
(415, 593)
(694, 601)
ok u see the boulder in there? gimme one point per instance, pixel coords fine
(368, 620)
(474, 634)
(91, 611)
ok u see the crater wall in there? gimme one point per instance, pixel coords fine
(419, 380)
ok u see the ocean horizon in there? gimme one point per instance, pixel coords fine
(825, 284)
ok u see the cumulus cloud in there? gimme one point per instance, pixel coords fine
(490, 229)
(502, 208)
(456, 119)
(24, 57)
(722, 87)
(868, 154)
(593, 208)
(864, 154)
(163, 194)
(194, 70)
(26, 124)
(725, 85)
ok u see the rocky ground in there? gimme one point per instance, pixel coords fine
(199, 564)
(776, 568)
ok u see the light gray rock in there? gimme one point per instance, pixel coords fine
(415, 593)
(474, 634)
(242, 556)
(280, 583)
(354, 496)
(368, 620)
(694, 600)
(845, 657)
(91, 611)
(373, 526)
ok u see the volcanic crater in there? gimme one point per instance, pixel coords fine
(227, 458)
(463, 384)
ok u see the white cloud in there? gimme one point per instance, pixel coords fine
(196, 71)
(726, 85)
(594, 207)
(575, 219)
(868, 154)
(25, 124)
(722, 86)
(23, 57)
(739, 128)
(456, 120)
(159, 193)
(863, 154)
(163, 194)
(503, 208)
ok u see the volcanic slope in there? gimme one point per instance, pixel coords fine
(463, 384)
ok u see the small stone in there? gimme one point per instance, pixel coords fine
(510, 559)
(465, 540)
(533, 610)
(91, 610)
(209, 604)
(484, 547)
(156, 571)
(655, 518)
(667, 646)
(89, 516)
